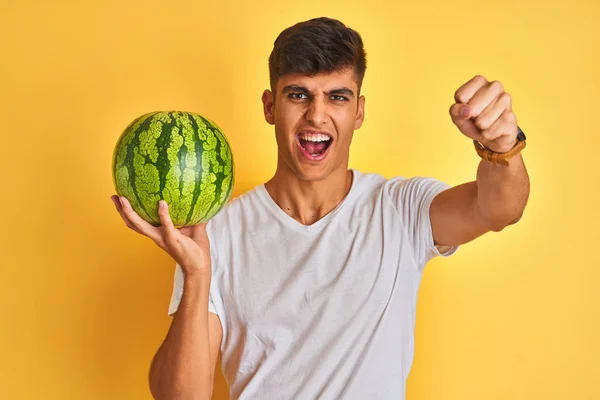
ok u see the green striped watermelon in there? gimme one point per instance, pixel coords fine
(180, 157)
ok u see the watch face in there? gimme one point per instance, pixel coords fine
(521, 135)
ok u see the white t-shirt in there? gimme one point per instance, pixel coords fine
(325, 311)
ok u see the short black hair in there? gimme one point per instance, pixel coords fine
(319, 45)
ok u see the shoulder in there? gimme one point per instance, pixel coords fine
(398, 185)
(378, 181)
(368, 182)
(404, 194)
(413, 188)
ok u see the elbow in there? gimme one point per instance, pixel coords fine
(516, 219)
(498, 224)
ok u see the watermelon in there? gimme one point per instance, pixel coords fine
(176, 156)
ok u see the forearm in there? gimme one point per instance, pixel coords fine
(502, 192)
(182, 367)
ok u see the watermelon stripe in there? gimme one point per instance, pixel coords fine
(216, 170)
(163, 144)
(207, 187)
(226, 162)
(170, 146)
(198, 181)
(149, 177)
(217, 163)
(225, 176)
(229, 180)
(129, 161)
(181, 155)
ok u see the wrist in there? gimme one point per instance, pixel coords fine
(501, 157)
(198, 278)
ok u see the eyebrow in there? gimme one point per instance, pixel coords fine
(337, 91)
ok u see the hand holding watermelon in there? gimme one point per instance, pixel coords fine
(188, 246)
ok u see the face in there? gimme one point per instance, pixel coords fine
(315, 118)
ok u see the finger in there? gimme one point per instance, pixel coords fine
(503, 131)
(487, 118)
(468, 90)
(171, 233)
(460, 116)
(143, 226)
(484, 97)
(119, 207)
(469, 129)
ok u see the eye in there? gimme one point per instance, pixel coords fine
(339, 98)
(298, 96)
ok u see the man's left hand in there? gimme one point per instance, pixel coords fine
(483, 112)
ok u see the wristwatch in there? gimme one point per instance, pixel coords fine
(501, 158)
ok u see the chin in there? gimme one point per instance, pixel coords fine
(313, 172)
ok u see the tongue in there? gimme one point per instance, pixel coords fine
(314, 147)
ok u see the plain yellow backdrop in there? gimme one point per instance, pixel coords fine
(512, 315)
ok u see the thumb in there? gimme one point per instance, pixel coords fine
(460, 112)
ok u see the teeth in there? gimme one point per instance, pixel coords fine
(314, 137)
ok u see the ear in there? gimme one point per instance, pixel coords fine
(269, 106)
(360, 112)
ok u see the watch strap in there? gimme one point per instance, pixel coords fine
(499, 158)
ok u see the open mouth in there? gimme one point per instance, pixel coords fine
(314, 146)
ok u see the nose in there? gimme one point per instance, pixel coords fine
(317, 112)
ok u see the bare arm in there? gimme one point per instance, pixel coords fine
(495, 200)
(184, 366)
(483, 112)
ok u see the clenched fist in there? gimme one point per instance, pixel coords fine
(483, 112)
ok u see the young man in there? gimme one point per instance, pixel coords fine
(307, 285)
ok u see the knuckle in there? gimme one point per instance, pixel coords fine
(506, 98)
(480, 79)
(508, 117)
(171, 238)
(497, 85)
(487, 135)
(482, 123)
(459, 96)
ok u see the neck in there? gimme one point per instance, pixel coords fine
(309, 201)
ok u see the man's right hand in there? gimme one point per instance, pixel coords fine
(188, 246)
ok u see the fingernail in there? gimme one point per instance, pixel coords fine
(464, 111)
(161, 204)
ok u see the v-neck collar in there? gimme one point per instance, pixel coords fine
(291, 222)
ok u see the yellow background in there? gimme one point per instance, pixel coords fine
(513, 315)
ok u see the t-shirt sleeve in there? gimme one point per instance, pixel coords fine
(412, 198)
(178, 292)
